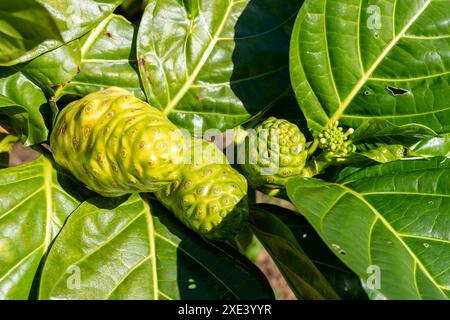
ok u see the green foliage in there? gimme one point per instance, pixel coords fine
(392, 216)
(214, 63)
(346, 63)
(144, 253)
(368, 211)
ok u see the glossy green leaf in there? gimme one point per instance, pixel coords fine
(381, 153)
(108, 59)
(33, 208)
(381, 131)
(392, 218)
(435, 146)
(32, 27)
(350, 173)
(131, 248)
(54, 68)
(215, 63)
(357, 61)
(24, 105)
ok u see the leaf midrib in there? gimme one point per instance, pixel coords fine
(186, 86)
(152, 249)
(381, 218)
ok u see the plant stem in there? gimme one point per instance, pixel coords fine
(313, 147)
(315, 166)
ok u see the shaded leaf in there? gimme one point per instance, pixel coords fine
(305, 280)
(24, 105)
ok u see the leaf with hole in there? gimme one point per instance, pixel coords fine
(357, 61)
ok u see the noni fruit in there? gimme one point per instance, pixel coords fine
(275, 152)
(115, 143)
(209, 196)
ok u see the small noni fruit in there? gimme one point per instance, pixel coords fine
(274, 153)
(115, 143)
(209, 196)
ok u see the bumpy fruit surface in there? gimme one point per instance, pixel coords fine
(335, 142)
(209, 196)
(116, 144)
(275, 153)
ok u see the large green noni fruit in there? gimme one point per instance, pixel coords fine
(209, 196)
(275, 152)
(116, 144)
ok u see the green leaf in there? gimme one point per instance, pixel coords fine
(435, 146)
(346, 283)
(346, 66)
(305, 280)
(386, 132)
(24, 105)
(131, 248)
(393, 217)
(215, 63)
(381, 153)
(350, 173)
(32, 27)
(33, 209)
(54, 68)
(107, 59)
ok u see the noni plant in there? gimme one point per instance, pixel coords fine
(201, 149)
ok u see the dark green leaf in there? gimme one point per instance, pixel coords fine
(54, 68)
(432, 147)
(25, 106)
